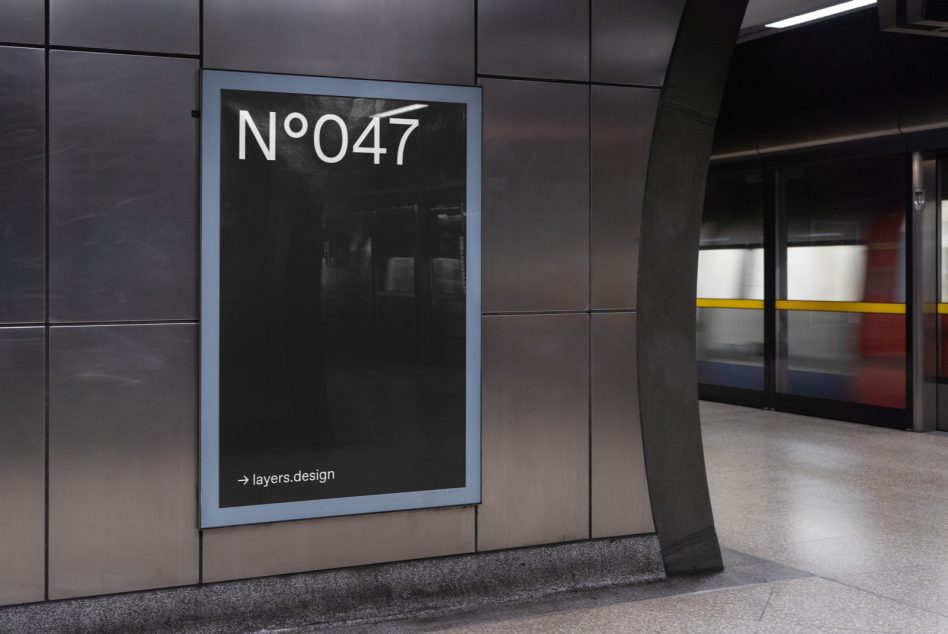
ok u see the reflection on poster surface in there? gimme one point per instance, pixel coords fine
(343, 236)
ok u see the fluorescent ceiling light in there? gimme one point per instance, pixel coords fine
(820, 13)
(392, 113)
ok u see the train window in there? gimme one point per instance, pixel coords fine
(730, 317)
(841, 296)
(807, 269)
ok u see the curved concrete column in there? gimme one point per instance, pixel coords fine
(671, 223)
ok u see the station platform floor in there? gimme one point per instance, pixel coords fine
(826, 527)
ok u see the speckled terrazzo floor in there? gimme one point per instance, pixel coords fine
(827, 526)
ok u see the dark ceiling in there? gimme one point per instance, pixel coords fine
(846, 63)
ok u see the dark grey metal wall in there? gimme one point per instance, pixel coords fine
(98, 238)
(98, 243)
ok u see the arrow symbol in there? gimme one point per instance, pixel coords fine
(244, 480)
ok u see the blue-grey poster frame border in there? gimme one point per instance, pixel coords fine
(213, 82)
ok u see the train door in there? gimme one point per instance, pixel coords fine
(802, 289)
(732, 361)
(840, 262)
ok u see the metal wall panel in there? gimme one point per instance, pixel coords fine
(546, 39)
(272, 549)
(409, 40)
(122, 187)
(536, 196)
(23, 21)
(160, 26)
(632, 41)
(619, 499)
(535, 430)
(122, 458)
(22, 184)
(22, 464)
(622, 120)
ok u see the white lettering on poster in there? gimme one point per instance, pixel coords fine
(319, 476)
(268, 149)
(296, 126)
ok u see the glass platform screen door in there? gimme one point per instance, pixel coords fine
(801, 289)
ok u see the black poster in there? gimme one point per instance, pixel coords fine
(343, 251)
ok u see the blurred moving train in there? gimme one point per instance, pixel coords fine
(840, 289)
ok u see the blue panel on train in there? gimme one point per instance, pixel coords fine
(819, 384)
(739, 375)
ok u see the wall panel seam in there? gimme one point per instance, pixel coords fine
(198, 246)
(46, 57)
(117, 51)
(581, 82)
(477, 507)
(589, 260)
(22, 45)
(143, 322)
(515, 313)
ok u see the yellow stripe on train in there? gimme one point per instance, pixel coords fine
(879, 308)
(757, 304)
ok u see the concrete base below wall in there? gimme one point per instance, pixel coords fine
(366, 594)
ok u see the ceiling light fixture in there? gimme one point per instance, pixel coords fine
(820, 13)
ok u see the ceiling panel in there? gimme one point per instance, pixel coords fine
(760, 12)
